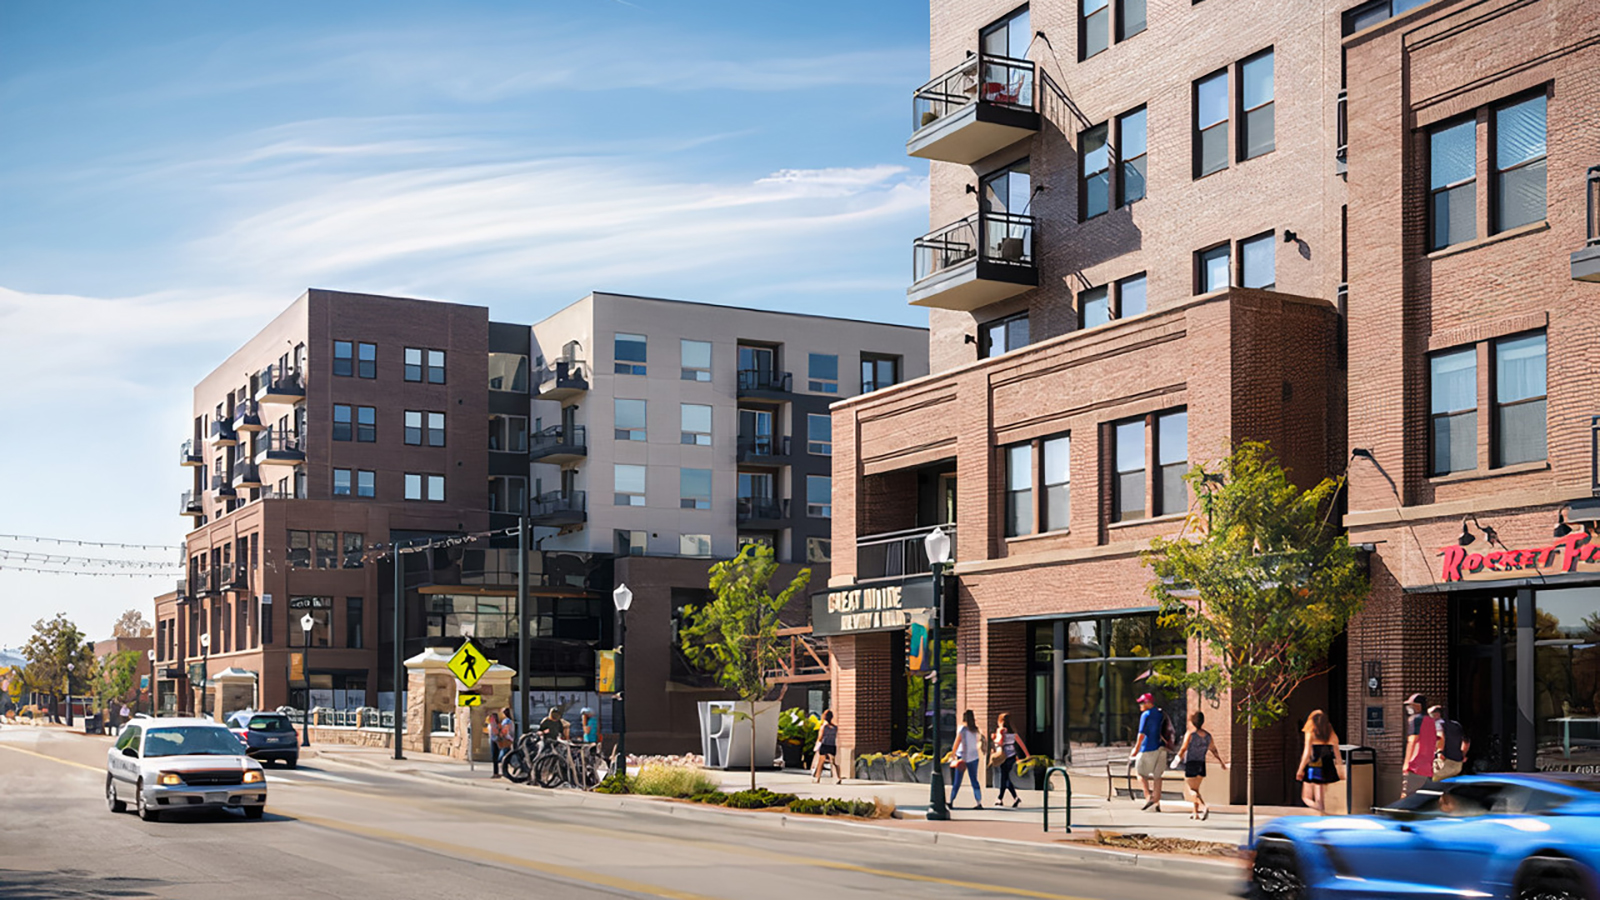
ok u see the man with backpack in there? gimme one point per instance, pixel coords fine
(1453, 745)
(1150, 748)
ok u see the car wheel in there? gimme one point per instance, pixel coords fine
(293, 763)
(1552, 878)
(254, 812)
(145, 812)
(112, 803)
(1275, 874)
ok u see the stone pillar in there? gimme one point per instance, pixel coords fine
(234, 689)
(430, 688)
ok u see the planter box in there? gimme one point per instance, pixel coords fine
(793, 756)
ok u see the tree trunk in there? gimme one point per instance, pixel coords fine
(752, 745)
(1250, 773)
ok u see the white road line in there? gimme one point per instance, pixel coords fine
(299, 774)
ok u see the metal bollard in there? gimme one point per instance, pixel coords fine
(1066, 781)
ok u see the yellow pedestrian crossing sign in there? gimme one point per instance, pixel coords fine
(465, 699)
(469, 664)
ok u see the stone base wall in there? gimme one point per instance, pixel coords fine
(353, 737)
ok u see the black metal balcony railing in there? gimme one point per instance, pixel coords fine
(246, 415)
(222, 485)
(763, 447)
(235, 577)
(190, 505)
(246, 474)
(897, 554)
(553, 503)
(764, 380)
(997, 80)
(751, 509)
(1592, 185)
(222, 430)
(280, 446)
(558, 439)
(278, 383)
(205, 581)
(1001, 238)
(561, 375)
(188, 455)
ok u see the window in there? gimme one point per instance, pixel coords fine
(1132, 146)
(1211, 124)
(819, 434)
(694, 545)
(367, 360)
(366, 424)
(1519, 400)
(694, 488)
(1255, 105)
(696, 424)
(508, 493)
(632, 543)
(436, 430)
(413, 360)
(1452, 184)
(343, 358)
(321, 611)
(1130, 18)
(1002, 335)
(1377, 11)
(341, 422)
(414, 429)
(1128, 490)
(1453, 408)
(341, 482)
(436, 488)
(299, 549)
(878, 372)
(1094, 307)
(506, 433)
(1257, 268)
(823, 371)
(1094, 27)
(425, 487)
(629, 485)
(819, 496)
(352, 622)
(355, 545)
(819, 550)
(1172, 461)
(508, 372)
(1213, 265)
(1519, 164)
(629, 351)
(327, 549)
(696, 360)
(630, 419)
(1094, 172)
(365, 479)
(436, 367)
(1019, 489)
(1131, 296)
(1057, 477)
(1009, 37)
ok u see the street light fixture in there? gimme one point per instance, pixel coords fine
(622, 598)
(69, 695)
(152, 655)
(307, 622)
(205, 673)
(937, 544)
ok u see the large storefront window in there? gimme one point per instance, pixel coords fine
(1566, 677)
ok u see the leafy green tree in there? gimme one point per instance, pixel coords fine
(117, 677)
(734, 638)
(55, 644)
(132, 624)
(1262, 580)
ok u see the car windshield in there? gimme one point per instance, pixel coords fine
(191, 740)
(270, 723)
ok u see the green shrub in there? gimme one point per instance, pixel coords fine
(818, 806)
(760, 798)
(714, 798)
(658, 780)
(615, 783)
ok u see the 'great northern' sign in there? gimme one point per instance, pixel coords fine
(862, 609)
(1573, 553)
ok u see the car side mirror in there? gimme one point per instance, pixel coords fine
(130, 752)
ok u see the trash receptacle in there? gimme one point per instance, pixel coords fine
(91, 725)
(1361, 768)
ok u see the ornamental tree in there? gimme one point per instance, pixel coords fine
(55, 644)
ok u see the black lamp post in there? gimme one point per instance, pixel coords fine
(623, 598)
(152, 655)
(205, 674)
(937, 543)
(69, 695)
(307, 622)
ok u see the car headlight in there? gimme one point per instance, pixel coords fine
(169, 779)
(254, 777)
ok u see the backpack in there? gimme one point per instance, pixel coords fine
(1169, 737)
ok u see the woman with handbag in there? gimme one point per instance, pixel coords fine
(491, 727)
(1319, 761)
(1008, 750)
(964, 759)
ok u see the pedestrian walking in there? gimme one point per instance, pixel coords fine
(591, 725)
(1422, 742)
(1196, 743)
(1010, 749)
(1453, 745)
(1149, 750)
(964, 759)
(1319, 761)
(827, 749)
(491, 727)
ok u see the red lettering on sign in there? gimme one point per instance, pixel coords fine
(1474, 562)
(1492, 560)
(1574, 548)
(1452, 563)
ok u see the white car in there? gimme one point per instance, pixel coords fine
(168, 764)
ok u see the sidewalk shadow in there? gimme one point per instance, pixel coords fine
(76, 884)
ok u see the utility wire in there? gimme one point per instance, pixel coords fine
(51, 540)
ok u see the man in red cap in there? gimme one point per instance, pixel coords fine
(1148, 752)
(1422, 742)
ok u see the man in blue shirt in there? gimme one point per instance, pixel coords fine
(1148, 752)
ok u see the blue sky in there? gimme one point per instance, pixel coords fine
(173, 174)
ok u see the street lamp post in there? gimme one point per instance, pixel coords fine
(623, 598)
(937, 543)
(69, 695)
(307, 622)
(152, 655)
(205, 673)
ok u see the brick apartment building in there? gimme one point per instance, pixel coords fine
(1144, 225)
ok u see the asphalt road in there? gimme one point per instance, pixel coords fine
(347, 833)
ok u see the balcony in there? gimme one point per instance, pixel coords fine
(247, 417)
(189, 455)
(978, 108)
(222, 487)
(222, 434)
(190, 505)
(760, 384)
(764, 450)
(896, 554)
(558, 508)
(235, 578)
(762, 513)
(247, 475)
(559, 444)
(277, 384)
(982, 259)
(1586, 262)
(280, 448)
(565, 379)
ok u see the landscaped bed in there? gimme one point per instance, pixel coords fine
(1150, 844)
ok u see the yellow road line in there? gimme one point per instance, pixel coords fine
(65, 762)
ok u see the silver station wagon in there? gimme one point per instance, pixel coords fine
(171, 764)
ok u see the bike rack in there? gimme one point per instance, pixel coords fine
(1066, 806)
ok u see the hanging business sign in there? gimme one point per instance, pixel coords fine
(1574, 553)
(864, 609)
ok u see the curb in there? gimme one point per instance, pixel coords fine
(1156, 862)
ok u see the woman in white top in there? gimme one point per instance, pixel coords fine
(964, 759)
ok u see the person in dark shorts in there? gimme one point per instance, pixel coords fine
(1319, 761)
(1196, 743)
(827, 750)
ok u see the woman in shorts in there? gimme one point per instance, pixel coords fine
(1196, 742)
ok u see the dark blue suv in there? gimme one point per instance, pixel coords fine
(267, 736)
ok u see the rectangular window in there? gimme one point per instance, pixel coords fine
(1128, 491)
(696, 424)
(1094, 307)
(822, 370)
(694, 545)
(1002, 335)
(414, 428)
(413, 486)
(629, 354)
(367, 360)
(1132, 147)
(508, 493)
(343, 358)
(1255, 105)
(508, 372)
(1257, 267)
(413, 363)
(299, 549)
(365, 483)
(1019, 489)
(355, 545)
(1213, 269)
(327, 549)
(436, 367)
(1453, 409)
(819, 496)
(1172, 461)
(366, 424)
(629, 485)
(436, 488)
(341, 482)
(436, 430)
(1211, 124)
(878, 372)
(1519, 164)
(694, 488)
(352, 622)
(819, 550)
(632, 543)
(1094, 172)
(1519, 400)
(1130, 18)
(1094, 27)
(819, 434)
(1131, 296)
(341, 422)
(1057, 478)
(696, 360)
(630, 419)
(1452, 184)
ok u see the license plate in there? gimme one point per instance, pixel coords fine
(216, 796)
(274, 740)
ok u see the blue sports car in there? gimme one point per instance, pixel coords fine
(1528, 837)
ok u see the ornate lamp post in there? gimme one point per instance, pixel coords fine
(205, 673)
(937, 543)
(307, 622)
(152, 655)
(623, 598)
